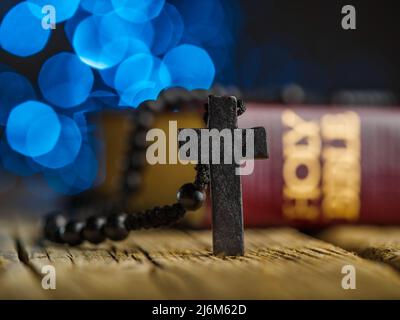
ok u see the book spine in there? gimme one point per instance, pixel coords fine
(326, 166)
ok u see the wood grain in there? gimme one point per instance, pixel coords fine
(17, 281)
(175, 264)
(375, 243)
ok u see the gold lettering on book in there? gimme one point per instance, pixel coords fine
(321, 168)
(341, 183)
(302, 149)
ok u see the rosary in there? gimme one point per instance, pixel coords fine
(227, 220)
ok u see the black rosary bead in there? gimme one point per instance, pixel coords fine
(174, 97)
(132, 181)
(153, 105)
(191, 197)
(93, 231)
(175, 212)
(133, 221)
(144, 119)
(115, 228)
(139, 140)
(72, 234)
(154, 218)
(179, 209)
(54, 222)
(137, 161)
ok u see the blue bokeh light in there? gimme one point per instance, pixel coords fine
(97, 7)
(190, 67)
(212, 25)
(21, 32)
(5, 68)
(94, 47)
(25, 128)
(133, 70)
(65, 81)
(105, 99)
(71, 24)
(67, 147)
(76, 177)
(203, 20)
(141, 78)
(138, 10)
(15, 162)
(112, 26)
(137, 51)
(81, 122)
(14, 89)
(168, 30)
(140, 92)
(102, 42)
(134, 47)
(65, 9)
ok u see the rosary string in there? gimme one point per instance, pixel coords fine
(116, 226)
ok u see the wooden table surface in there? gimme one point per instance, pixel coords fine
(280, 263)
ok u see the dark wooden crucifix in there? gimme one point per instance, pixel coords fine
(225, 184)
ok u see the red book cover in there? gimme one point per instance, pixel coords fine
(326, 165)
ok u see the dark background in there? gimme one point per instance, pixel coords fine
(292, 41)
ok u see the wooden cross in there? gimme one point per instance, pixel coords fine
(225, 184)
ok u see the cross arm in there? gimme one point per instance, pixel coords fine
(260, 142)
